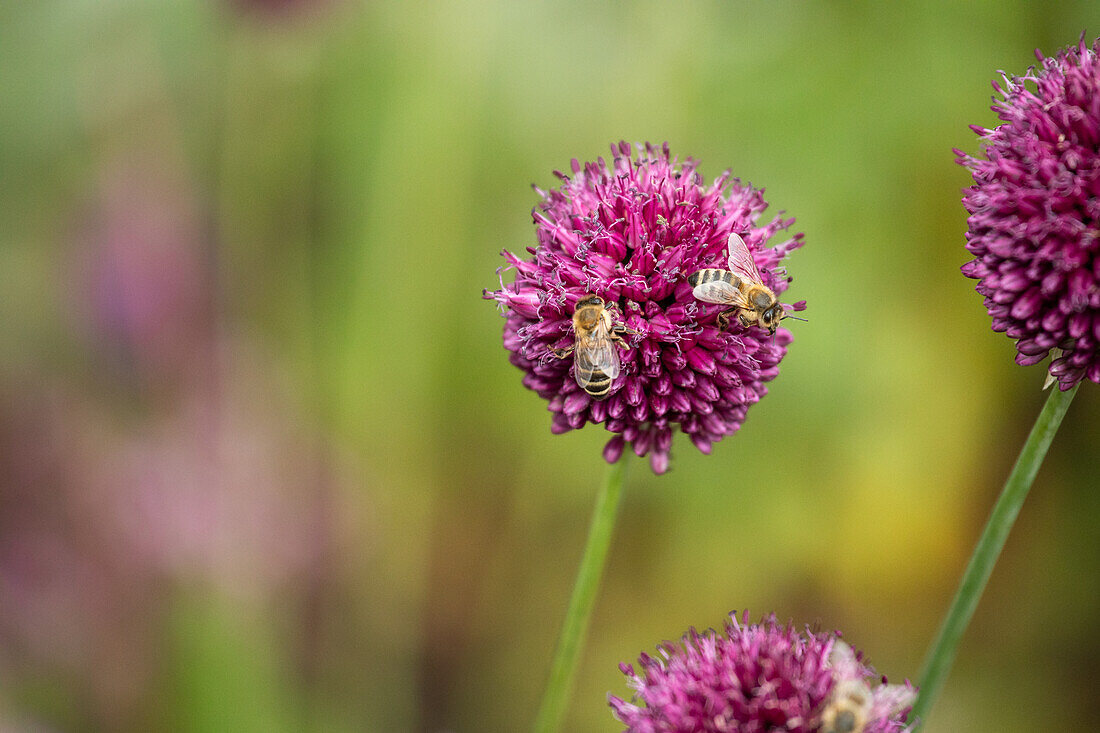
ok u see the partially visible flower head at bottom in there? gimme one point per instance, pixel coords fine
(760, 677)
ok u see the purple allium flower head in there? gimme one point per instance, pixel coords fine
(758, 677)
(1035, 214)
(632, 233)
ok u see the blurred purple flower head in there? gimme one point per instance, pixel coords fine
(1035, 214)
(220, 490)
(143, 297)
(757, 678)
(632, 233)
(278, 7)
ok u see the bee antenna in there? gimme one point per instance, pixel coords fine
(804, 320)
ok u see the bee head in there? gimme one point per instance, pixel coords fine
(845, 722)
(589, 299)
(770, 318)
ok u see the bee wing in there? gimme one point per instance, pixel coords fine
(843, 660)
(720, 292)
(593, 355)
(740, 260)
(889, 700)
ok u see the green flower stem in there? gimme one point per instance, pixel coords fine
(567, 656)
(942, 653)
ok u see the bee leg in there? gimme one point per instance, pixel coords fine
(561, 353)
(723, 320)
(618, 331)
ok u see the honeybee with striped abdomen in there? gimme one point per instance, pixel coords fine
(594, 349)
(741, 287)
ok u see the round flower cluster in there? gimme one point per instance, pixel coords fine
(1034, 210)
(760, 677)
(631, 233)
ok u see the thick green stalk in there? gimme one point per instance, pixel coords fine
(942, 653)
(571, 640)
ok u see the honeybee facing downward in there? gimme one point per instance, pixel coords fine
(851, 702)
(848, 708)
(594, 349)
(741, 287)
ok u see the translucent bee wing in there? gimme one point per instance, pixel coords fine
(889, 700)
(843, 661)
(596, 355)
(740, 260)
(720, 292)
(611, 368)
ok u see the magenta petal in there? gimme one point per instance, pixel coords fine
(575, 402)
(614, 449)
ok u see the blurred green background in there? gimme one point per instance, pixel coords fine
(264, 463)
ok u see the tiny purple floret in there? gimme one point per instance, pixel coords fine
(632, 233)
(1035, 214)
(752, 679)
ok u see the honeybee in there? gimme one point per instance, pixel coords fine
(595, 355)
(850, 704)
(741, 286)
(848, 708)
